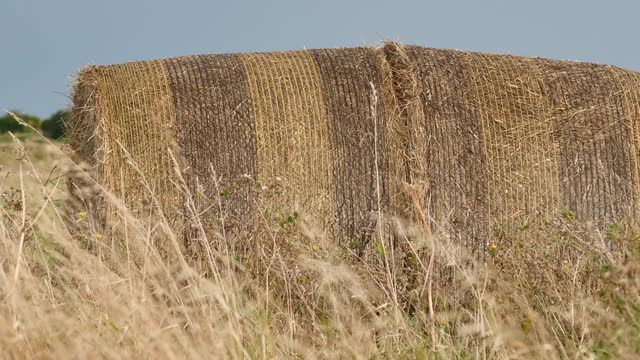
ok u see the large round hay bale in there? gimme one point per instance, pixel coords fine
(468, 143)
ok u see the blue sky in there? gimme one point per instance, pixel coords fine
(44, 43)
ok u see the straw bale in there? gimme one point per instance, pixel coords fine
(476, 144)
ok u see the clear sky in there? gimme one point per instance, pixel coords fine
(44, 43)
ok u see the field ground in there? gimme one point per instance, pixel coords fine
(552, 291)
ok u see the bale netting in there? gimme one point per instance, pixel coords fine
(240, 137)
(503, 143)
(473, 145)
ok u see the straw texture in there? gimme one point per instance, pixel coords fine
(503, 140)
(285, 132)
(479, 143)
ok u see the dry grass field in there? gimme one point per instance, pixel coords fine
(69, 291)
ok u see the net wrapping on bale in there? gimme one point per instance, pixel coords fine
(314, 123)
(488, 141)
(501, 140)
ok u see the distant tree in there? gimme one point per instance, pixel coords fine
(8, 123)
(54, 127)
(32, 120)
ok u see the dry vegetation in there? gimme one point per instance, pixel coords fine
(69, 291)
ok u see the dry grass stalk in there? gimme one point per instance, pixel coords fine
(77, 295)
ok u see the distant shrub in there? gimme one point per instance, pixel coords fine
(9, 124)
(54, 126)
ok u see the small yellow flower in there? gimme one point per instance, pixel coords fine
(314, 248)
(443, 322)
(82, 214)
(494, 247)
(565, 265)
(98, 236)
(302, 280)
